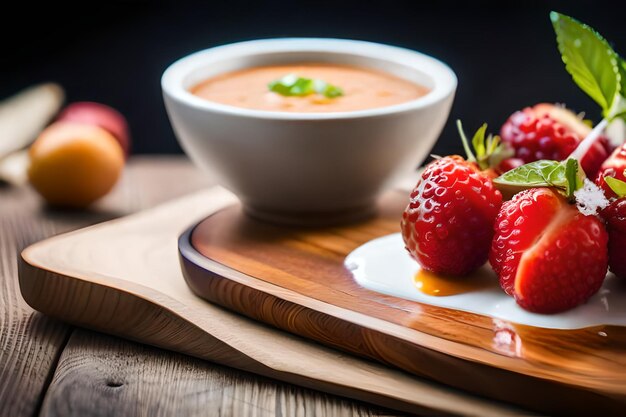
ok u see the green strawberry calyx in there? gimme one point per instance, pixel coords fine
(486, 152)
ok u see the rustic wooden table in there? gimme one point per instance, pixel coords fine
(50, 368)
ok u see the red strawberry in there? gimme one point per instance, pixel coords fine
(615, 216)
(548, 255)
(614, 167)
(547, 131)
(448, 225)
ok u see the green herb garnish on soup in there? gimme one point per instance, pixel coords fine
(292, 85)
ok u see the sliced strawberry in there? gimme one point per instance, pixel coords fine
(548, 255)
(518, 225)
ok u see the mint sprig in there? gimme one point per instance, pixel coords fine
(601, 73)
(292, 85)
(565, 176)
(594, 66)
(589, 59)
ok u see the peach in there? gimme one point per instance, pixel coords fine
(106, 117)
(74, 164)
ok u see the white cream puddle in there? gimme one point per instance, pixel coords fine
(383, 265)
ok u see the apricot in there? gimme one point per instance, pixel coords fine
(74, 164)
(106, 117)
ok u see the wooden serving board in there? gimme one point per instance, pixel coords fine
(295, 279)
(123, 277)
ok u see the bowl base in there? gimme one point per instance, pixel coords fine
(312, 219)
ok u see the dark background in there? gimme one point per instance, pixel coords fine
(503, 53)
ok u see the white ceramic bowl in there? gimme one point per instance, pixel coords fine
(296, 166)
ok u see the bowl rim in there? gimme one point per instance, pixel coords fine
(444, 79)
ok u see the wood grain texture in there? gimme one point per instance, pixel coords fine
(295, 279)
(121, 378)
(31, 343)
(34, 347)
(99, 375)
(123, 277)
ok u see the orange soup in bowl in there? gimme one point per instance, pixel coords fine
(308, 88)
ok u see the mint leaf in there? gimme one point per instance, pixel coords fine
(292, 85)
(565, 176)
(619, 106)
(332, 91)
(541, 173)
(621, 66)
(328, 90)
(302, 87)
(589, 59)
(618, 186)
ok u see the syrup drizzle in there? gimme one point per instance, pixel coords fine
(437, 285)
